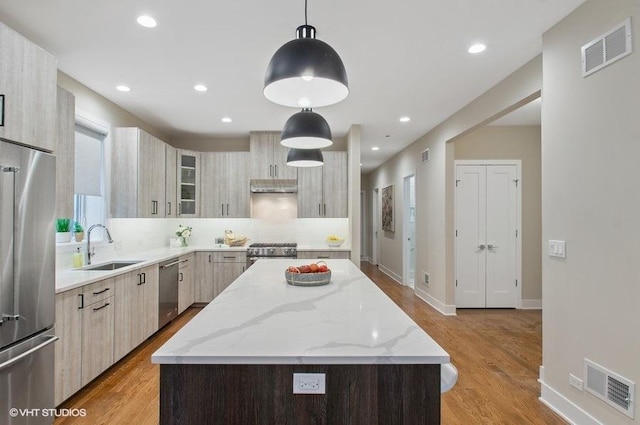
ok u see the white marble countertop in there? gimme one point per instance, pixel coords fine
(260, 319)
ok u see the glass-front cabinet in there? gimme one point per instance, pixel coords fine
(188, 183)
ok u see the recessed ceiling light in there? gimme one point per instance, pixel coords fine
(123, 88)
(405, 119)
(477, 48)
(226, 119)
(375, 148)
(147, 21)
(200, 87)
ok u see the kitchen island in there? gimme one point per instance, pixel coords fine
(234, 362)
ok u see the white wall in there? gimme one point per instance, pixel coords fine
(590, 162)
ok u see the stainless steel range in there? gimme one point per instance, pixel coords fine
(257, 251)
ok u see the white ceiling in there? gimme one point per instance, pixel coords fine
(402, 58)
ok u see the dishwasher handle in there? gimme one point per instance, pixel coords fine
(166, 266)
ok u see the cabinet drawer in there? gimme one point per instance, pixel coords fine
(186, 261)
(97, 291)
(229, 257)
(323, 255)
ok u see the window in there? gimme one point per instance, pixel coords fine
(89, 196)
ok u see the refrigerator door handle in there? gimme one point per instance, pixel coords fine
(8, 307)
(27, 353)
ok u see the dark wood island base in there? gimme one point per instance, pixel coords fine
(385, 394)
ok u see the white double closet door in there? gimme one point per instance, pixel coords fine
(486, 205)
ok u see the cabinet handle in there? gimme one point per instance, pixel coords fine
(168, 208)
(324, 256)
(325, 210)
(179, 208)
(270, 170)
(144, 277)
(181, 277)
(100, 308)
(81, 300)
(139, 279)
(229, 258)
(275, 167)
(209, 257)
(319, 211)
(227, 209)
(101, 292)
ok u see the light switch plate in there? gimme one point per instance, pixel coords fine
(557, 249)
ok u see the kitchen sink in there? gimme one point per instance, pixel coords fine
(110, 266)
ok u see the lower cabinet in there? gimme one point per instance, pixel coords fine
(324, 255)
(227, 266)
(186, 290)
(203, 288)
(215, 271)
(68, 373)
(136, 311)
(97, 331)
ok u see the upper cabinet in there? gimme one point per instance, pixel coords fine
(171, 181)
(28, 80)
(137, 174)
(65, 152)
(269, 157)
(322, 191)
(225, 185)
(188, 186)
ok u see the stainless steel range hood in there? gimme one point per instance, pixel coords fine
(274, 186)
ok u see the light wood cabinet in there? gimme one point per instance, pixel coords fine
(97, 329)
(65, 152)
(204, 277)
(269, 157)
(227, 267)
(138, 174)
(171, 182)
(28, 79)
(323, 255)
(224, 185)
(186, 290)
(188, 187)
(322, 191)
(136, 309)
(68, 374)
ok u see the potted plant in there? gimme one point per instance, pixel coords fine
(78, 231)
(63, 230)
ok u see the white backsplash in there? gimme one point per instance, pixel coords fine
(133, 235)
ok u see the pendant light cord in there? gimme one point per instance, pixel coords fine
(305, 12)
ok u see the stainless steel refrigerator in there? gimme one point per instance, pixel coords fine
(27, 285)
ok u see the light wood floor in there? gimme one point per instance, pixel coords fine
(497, 353)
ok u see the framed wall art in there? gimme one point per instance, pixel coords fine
(388, 222)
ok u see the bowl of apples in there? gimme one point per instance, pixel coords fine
(315, 274)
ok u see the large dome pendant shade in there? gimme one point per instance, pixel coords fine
(305, 158)
(306, 73)
(306, 130)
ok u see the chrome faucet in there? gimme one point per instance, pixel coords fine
(89, 253)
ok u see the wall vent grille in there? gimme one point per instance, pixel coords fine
(610, 387)
(425, 155)
(606, 49)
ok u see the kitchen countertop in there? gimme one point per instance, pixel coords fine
(74, 278)
(260, 319)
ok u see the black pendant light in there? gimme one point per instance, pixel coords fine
(305, 158)
(306, 130)
(306, 72)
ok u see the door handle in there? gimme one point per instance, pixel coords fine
(482, 246)
(491, 246)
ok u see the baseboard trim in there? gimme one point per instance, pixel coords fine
(391, 274)
(532, 304)
(446, 310)
(564, 407)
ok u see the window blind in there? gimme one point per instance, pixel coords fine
(88, 161)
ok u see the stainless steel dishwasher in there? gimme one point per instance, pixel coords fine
(168, 292)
